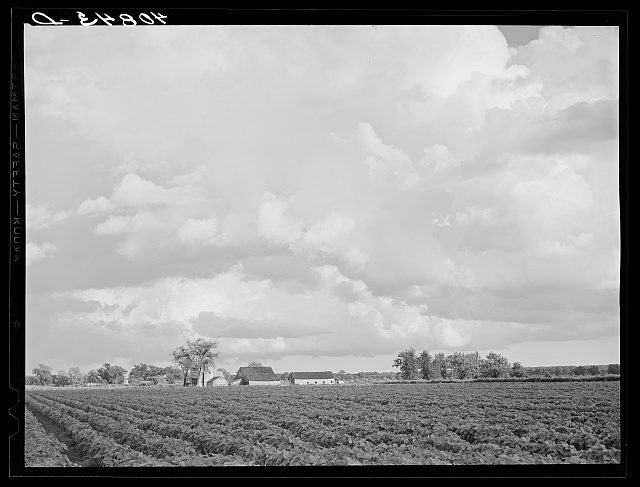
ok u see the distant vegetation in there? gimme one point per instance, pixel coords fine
(196, 357)
(472, 366)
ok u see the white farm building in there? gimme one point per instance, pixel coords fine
(257, 376)
(216, 381)
(311, 378)
(202, 379)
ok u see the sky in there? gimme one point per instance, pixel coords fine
(519, 35)
(322, 197)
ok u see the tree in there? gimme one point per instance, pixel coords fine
(580, 370)
(158, 380)
(494, 365)
(61, 379)
(593, 370)
(425, 365)
(76, 375)
(93, 377)
(112, 374)
(203, 355)
(341, 374)
(440, 365)
(43, 374)
(407, 362)
(182, 357)
(255, 364)
(197, 356)
(613, 369)
(517, 370)
(138, 373)
(173, 374)
(463, 365)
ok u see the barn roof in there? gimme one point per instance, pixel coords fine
(257, 373)
(312, 375)
(215, 377)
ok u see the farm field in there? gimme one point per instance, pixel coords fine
(41, 448)
(418, 424)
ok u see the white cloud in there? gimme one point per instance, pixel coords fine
(37, 252)
(574, 64)
(132, 193)
(98, 205)
(331, 237)
(386, 161)
(473, 214)
(135, 191)
(198, 232)
(441, 221)
(357, 174)
(40, 217)
(274, 223)
(121, 224)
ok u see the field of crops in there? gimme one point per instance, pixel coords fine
(41, 448)
(423, 424)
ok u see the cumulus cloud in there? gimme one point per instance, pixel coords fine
(330, 237)
(40, 217)
(132, 191)
(408, 184)
(142, 214)
(385, 160)
(194, 231)
(274, 223)
(119, 224)
(37, 252)
(98, 205)
(137, 192)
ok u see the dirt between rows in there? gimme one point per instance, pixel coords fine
(72, 452)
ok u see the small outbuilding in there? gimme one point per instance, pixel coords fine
(312, 378)
(257, 376)
(216, 381)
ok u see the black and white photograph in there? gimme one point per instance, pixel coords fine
(318, 242)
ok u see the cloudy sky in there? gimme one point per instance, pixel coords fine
(322, 197)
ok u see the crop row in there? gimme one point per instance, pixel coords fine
(258, 442)
(394, 424)
(151, 443)
(40, 448)
(101, 448)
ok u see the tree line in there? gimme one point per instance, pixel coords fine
(461, 365)
(192, 360)
(107, 374)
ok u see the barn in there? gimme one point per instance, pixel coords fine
(257, 376)
(216, 381)
(313, 378)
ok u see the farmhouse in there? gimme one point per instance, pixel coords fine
(202, 379)
(306, 378)
(257, 376)
(216, 381)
